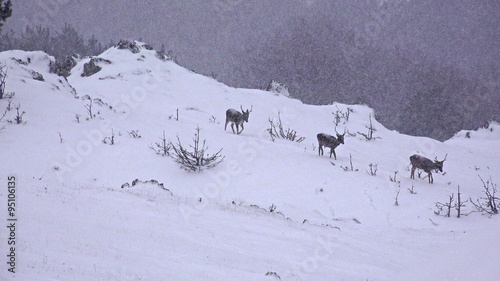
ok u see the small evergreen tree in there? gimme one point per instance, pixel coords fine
(93, 47)
(35, 38)
(8, 41)
(68, 42)
(5, 11)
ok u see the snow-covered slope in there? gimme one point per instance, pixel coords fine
(271, 210)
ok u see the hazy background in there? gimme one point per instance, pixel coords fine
(427, 67)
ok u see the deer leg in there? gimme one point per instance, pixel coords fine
(225, 126)
(334, 155)
(320, 149)
(241, 128)
(431, 179)
(232, 127)
(412, 175)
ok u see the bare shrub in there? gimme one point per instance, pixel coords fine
(276, 130)
(213, 120)
(411, 190)
(88, 107)
(444, 209)
(489, 203)
(1, 118)
(3, 76)
(176, 118)
(110, 140)
(396, 202)
(272, 208)
(341, 116)
(134, 134)
(373, 169)
(18, 119)
(394, 179)
(369, 136)
(349, 168)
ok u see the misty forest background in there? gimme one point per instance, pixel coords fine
(428, 68)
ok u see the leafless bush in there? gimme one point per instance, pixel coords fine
(272, 208)
(411, 189)
(341, 116)
(198, 159)
(489, 203)
(110, 140)
(9, 105)
(396, 202)
(274, 274)
(163, 147)
(444, 209)
(394, 179)
(213, 119)
(176, 118)
(276, 130)
(373, 169)
(3, 83)
(369, 136)
(18, 119)
(349, 168)
(1, 118)
(88, 107)
(134, 133)
(3, 76)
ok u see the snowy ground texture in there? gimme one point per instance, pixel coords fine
(272, 210)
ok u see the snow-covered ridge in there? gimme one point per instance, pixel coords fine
(489, 132)
(272, 208)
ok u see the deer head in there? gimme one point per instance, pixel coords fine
(246, 113)
(340, 137)
(439, 164)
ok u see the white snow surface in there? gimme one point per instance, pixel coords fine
(76, 222)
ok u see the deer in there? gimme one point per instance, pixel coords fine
(420, 162)
(238, 118)
(330, 141)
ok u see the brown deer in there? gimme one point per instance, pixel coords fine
(238, 118)
(330, 141)
(425, 164)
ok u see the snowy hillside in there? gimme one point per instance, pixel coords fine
(272, 210)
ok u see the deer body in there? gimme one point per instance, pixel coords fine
(329, 141)
(238, 118)
(420, 162)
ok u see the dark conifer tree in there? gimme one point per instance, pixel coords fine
(5, 11)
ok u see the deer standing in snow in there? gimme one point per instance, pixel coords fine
(425, 164)
(238, 118)
(330, 141)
